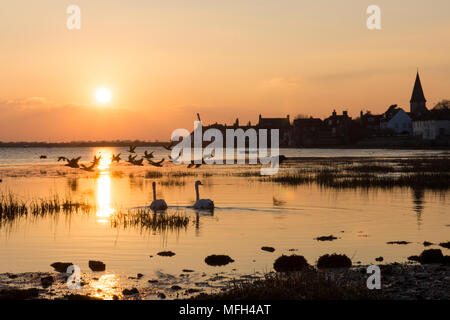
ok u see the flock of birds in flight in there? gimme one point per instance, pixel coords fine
(132, 159)
(157, 204)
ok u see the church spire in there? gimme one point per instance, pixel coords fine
(417, 94)
(418, 101)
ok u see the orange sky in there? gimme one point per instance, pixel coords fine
(164, 62)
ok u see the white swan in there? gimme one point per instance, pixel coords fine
(202, 204)
(157, 205)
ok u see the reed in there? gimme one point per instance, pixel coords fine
(12, 208)
(153, 174)
(325, 178)
(145, 218)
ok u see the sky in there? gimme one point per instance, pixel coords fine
(165, 61)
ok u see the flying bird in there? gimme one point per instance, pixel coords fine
(131, 158)
(156, 163)
(131, 149)
(73, 163)
(86, 168)
(148, 155)
(138, 162)
(96, 160)
(62, 159)
(115, 158)
(169, 147)
(43, 157)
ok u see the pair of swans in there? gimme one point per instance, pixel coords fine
(200, 204)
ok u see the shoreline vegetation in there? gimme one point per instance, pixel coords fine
(145, 143)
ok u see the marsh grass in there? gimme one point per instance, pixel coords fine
(306, 285)
(12, 208)
(172, 183)
(147, 219)
(371, 176)
(153, 174)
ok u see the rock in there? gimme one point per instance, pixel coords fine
(166, 254)
(139, 275)
(290, 263)
(47, 281)
(152, 281)
(129, 292)
(414, 258)
(445, 244)
(18, 294)
(192, 290)
(326, 238)
(161, 295)
(218, 260)
(379, 259)
(431, 256)
(61, 266)
(175, 287)
(398, 242)
(334, 261)
(11, 275)
(96, 265)
(268, 249)
(427, 243)
(187, 270)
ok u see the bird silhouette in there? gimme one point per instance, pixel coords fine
(96, 160)
(157, 204)
(131, 158)
(62, 159)
(43, 157)
(86, 168)
(148, 155)
(169, 147)
(156, 163)
(73, 163)
(202, 204)
(115, 158)
(131, 149)
(138, 162)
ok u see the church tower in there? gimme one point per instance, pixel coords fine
(418, 101)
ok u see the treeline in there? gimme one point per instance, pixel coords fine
(115, 143)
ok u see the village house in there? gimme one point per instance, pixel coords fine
(433, 125)
(307, 132)
(396, 120)
(282, 124)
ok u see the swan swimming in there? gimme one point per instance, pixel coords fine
(157, 204)
(203, 204)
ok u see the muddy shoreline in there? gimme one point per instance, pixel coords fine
(399, 281)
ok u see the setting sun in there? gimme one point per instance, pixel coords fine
(103, 95)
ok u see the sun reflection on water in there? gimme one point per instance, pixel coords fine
(106, 286)
(104, 187)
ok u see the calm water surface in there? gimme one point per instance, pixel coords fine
(250, 213)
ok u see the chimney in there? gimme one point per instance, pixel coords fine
(288, 118)
(344, 113)
(361, 114)
(334, 113)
